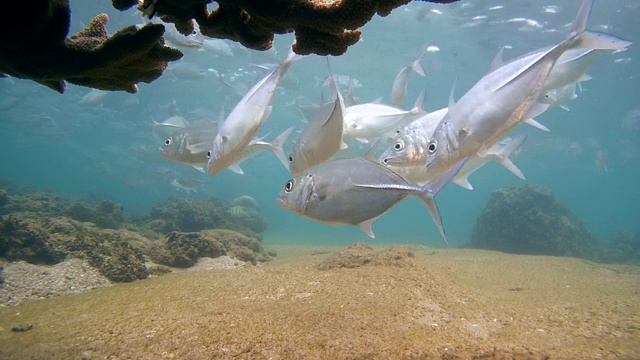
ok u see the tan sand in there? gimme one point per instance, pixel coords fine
(448, 304)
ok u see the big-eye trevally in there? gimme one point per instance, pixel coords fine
(356, 191)
(505, 97)
(241, 125)
(399, 87)
(322, 139)
(363, 122)
(190, 144)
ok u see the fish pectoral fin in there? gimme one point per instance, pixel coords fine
(235, 167)
(535, 110)
(366, 227)
(537, 125)
(463, 182)
(198, 148)
(199, 168)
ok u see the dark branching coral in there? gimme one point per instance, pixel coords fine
(321, 27)
(528, 220)
(34, 45)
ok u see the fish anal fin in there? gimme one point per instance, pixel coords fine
(366, 227)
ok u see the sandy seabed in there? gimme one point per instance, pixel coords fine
(446, 304)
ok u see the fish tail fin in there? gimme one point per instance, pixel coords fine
(430, 190)
(591, 39)
(415, 65)
(580, 25)
(600, 41)
(277, 146)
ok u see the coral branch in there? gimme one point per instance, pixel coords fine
(321, 26)
(43, 53)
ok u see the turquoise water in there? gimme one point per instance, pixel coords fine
(53, 143)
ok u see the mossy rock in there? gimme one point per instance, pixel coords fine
(52, 240)
(184, 249)
(106, 214)
(27, 240)
(528, 220)
(34, 205)
(190, 215)
(193, 215)
(623, 248)
(4, 198)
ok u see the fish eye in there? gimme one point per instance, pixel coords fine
(432, 147)
(398, 146)
(167, 142)
(288, 186)
(290, 158)
(209, 154)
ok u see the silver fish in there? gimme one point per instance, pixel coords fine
(257, 145)
(187, 184)
(399, 87)
(190, 144)
(322, 139)
(356, 191)
(505, 97)
(373, 120)
(242, 124)
(170, 125)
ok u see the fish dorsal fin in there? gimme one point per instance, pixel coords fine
(366, 227)
(377, 101)
(419, 102)
(497, 61)
(451, 101)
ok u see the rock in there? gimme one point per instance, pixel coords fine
(27, 240)
(184, 249)
(621, 248)
(4, 198)
(51, 240)
(190, 215)
(528, 220)
(106, 214)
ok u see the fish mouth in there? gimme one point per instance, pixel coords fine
(280, 201)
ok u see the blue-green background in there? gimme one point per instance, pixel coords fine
(52, 143)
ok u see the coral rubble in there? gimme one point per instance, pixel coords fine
(528, 220)
(35, 45)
